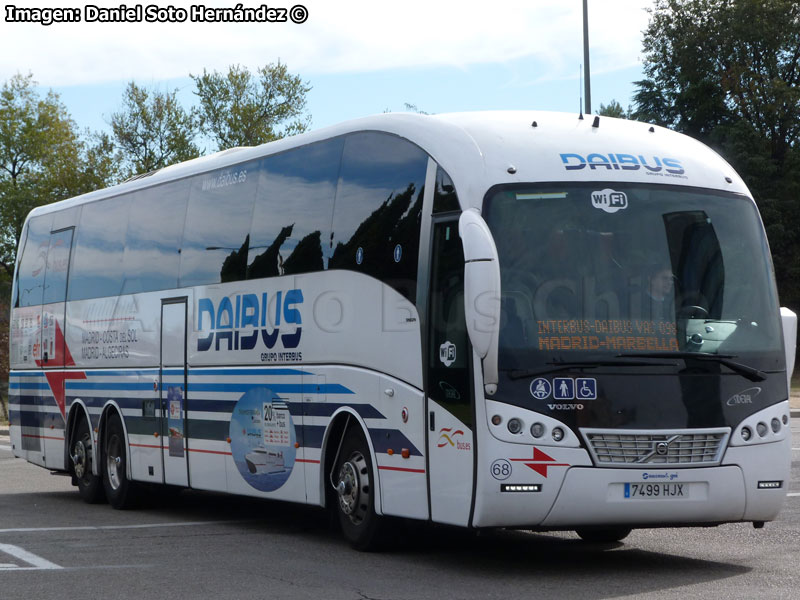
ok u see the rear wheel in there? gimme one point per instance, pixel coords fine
(90, 486)
(603, 535)
(355, 499)
(120, 491)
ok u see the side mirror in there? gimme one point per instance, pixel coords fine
(481, 292)
(789, 321)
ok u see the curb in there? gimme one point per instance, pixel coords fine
(794, 412)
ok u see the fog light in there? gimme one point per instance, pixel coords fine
(761, 429)
(746, 434)
(776, 425)
(770, 485)
(537, 430)
(514, 426)
(497, 419)
(558, 434)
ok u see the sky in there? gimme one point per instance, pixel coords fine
(359, 57)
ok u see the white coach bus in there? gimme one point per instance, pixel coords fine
(523, 320)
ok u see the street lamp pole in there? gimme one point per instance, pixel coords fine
(586, 78)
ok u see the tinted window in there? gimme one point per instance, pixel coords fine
(292, 216)
(153, 241)
(31, 270)
(97, 267)
(449, 381)
(216, 236)
(445, 198)
(378, 206)
(55, 285)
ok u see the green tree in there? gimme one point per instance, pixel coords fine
(152, 130)
(727, 72)
(614, 109)
(245, 109)
(42, 158)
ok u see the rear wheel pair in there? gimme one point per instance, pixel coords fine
(112, 484)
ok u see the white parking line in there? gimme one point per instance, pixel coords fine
(37, 561)
(9, 448)
(793, 494)
(107, 527)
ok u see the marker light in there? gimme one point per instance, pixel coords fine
(746, 434)
(558, 434)
(761, 428)
(514, 426)
(785, 419)
(537, 430)
(776, 425)
(497, 419)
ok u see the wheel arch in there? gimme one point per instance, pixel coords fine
(111, 407)
(345, 416)
(77, 410)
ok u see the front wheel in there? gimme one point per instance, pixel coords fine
(355, 500)
(603, 535)
(120, 491)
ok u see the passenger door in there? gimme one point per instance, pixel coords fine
(450, 410)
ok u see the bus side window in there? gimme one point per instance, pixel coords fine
(151, 258)
(445, 198)
(31, 270)
(291, 225)
(376, 219)
(55, 287)
(216, 237)
(97, 267)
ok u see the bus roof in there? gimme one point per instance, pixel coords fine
(482, 149)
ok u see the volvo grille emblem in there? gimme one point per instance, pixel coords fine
(662, 448)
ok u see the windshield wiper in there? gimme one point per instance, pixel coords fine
(746, 371)
(583, 364)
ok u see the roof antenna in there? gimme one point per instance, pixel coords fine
(580, 92)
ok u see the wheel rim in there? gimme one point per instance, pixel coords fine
(353, 488)
(81, 458)
(114, 462)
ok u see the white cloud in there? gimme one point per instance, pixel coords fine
(339, 36)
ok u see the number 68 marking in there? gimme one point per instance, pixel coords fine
(500, 469)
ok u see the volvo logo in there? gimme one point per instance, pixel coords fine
(662, 448)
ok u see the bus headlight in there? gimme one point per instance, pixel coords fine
(761, 429)
(746, 434)
(776, 425)
(537, 430)
(514, 426)
(558, 434)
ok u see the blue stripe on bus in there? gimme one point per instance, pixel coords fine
(100, 401)
(26, 374)
(25, 385)
(284, 388)
(248, 372)
(308, 409)
(74, 384)
(40, 420)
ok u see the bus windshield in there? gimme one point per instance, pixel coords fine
(608, 271)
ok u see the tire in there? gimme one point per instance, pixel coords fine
(603, 535)
(120, 491)
(355, 494)
(90, 486)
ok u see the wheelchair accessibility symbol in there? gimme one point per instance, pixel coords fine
(586, 388)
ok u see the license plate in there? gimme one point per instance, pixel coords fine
(656, 490)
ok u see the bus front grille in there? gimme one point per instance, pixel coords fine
(616, 448)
